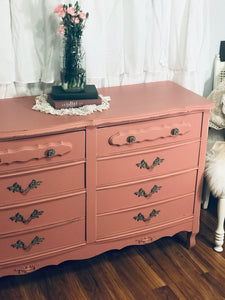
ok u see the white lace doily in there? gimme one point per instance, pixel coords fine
(43, 106)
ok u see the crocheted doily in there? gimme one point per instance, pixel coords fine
(43, 106)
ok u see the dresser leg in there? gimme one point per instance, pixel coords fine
(191, 241)
(219, 234)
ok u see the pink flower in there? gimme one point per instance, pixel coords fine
(61, 30)
(58, 8)
(71, 11)
(76, 20)
(82, 15)
(62, 13)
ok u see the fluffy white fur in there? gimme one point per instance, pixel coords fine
(215, 169)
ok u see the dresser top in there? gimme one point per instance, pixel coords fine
(128, 103)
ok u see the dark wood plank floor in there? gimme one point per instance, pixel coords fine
(162, 270)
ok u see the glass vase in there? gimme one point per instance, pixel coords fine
(73, 66)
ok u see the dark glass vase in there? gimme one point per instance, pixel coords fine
(73, 69)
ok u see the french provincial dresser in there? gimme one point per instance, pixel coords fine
(72, 187)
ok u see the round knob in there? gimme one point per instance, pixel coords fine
(175, 131)
(131, 139)
(50, 153)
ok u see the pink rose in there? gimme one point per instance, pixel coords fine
(62, 13)
(61, 30)
(82, 15)
(58, 8)
(71, 11)
(76, 20)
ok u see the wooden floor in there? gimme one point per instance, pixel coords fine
(162, 270)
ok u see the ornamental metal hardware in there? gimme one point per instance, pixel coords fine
(17, 188)
(50, 153)
(175, 131)
(141, 217)
(20, 245)
(19, 218)
(142, 192)
(144, 165)
(131, 139)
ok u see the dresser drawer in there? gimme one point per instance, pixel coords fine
(147, 164)
(42, 241)
(145, 192)
(42, 151)
(144, 218)
(42, 213)
(36, 185)
(130, 137)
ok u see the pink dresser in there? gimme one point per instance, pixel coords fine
(73, 187)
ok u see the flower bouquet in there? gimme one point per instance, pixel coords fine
(73, 73)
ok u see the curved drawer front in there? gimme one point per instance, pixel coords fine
(41, 151)
(42, 214)
(147, 165)
(143, 193)
(42, 241)
(116, 139)
(135, 220)
(26, 187)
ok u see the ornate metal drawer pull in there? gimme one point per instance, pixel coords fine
(50, 153)
(142, 192)
(141, 217)
(155, 163)
(19, 218)
(20, 244)
(17, 188)
(175, 131)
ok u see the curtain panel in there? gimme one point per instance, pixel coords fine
(126, 42)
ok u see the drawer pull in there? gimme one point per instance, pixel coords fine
(144, 165)
(19, 218)
(141, 217)
(142, 192)
(20, 244)
(17, 188)
(131, 139)
(50, 153)
(175, 131)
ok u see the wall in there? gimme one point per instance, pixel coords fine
(217, 34)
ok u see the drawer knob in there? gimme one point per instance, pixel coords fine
(142, 192)
(175, 131)
(19, 244)
(50, 153)
(131, 139)
(19, 218)
(17, 188)
(141, 217)
(144, 165)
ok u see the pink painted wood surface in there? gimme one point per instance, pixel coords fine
(123, 197)
(117, 223)
(112, 140)
(53, 210)
(129, 103)
(28, 153)
(54, 181)
(55, 237)
(124, 168)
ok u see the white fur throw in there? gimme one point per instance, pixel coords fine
(215, 169)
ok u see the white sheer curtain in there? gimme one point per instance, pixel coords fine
(126, 41)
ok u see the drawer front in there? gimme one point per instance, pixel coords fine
(116, 139)
(42, 241)
(147, 165)
(144, 193)
(135, 220)
(26, 187)
(42, 213)
(42, 151)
